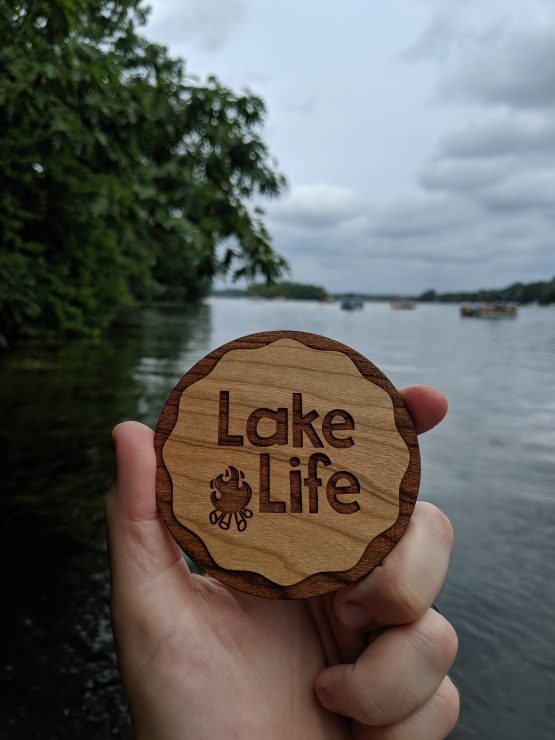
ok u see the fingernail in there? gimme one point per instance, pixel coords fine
(326, 699)
(353, 615)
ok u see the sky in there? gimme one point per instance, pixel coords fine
(417, 136)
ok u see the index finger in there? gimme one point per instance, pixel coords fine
(427, 406)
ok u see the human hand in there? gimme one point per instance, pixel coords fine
(201, 660)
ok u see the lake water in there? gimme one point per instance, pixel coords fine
(490, 466)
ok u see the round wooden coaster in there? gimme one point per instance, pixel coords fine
(288, 464)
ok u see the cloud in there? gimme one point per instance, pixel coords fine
(487, 194)
(503, 186)
(492, 52)
(450, 238)
(207, 24)
(317, 206)
(483, 209)
(501, 161)
(439, 38)
(462, 176)
(420, 217)
(304, 105)
(479, 209)
(506, 66)
(502, 136)
(528, 191)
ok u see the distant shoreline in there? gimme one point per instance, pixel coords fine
(540, 292)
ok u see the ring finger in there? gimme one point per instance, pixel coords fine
(399, 671)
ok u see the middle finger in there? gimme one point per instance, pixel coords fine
(403, 587)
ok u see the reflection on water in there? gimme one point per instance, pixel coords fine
(490, 466)
(59, 404)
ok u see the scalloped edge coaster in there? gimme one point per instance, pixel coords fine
(287, 464)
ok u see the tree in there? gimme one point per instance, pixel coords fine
(297, 291)
(123, 178)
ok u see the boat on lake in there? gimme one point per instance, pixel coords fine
(352, 303)
(495, 310)
(403, 304)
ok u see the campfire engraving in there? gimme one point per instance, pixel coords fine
(230, 496)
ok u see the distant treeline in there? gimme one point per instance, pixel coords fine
(542, 292)
(297, 291)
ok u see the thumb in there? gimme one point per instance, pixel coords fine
(140, 546)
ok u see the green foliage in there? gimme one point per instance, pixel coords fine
(297, 291)
(541, 291)
(123, 178)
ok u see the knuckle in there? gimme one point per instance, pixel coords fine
(450, 641)
(439, 522)
(444, 637)
(436, 641)
(409, 599)
(449, 703)
(368, 705)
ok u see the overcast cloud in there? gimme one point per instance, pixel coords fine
(204, 24)
(418, 137)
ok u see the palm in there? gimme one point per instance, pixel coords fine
(201, 660)
(220, 655)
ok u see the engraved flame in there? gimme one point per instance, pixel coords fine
(230, 496)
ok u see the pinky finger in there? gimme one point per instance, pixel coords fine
(434, 720)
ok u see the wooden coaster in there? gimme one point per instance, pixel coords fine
(288, 464)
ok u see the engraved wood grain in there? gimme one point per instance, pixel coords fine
(279, 403)
(339, 422)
